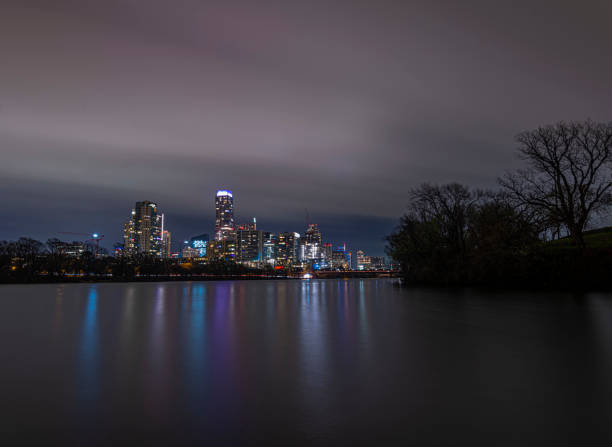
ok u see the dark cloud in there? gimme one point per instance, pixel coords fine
(339, 107)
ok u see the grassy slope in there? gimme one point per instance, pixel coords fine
(599, 238)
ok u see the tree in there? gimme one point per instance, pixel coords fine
(432, 235)
(569, 178)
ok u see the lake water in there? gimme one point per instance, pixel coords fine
(338, 362)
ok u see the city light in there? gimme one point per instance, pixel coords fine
(241, 243)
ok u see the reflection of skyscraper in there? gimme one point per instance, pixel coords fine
(224, 222)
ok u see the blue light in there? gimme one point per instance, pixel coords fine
(95, 235)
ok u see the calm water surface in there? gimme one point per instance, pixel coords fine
(314, 362)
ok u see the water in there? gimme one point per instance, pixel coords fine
(314, 362)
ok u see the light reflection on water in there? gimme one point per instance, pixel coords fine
(320, 361)
(89, 357)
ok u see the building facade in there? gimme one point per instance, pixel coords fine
(166, 244)
(363, 261)
(249, 245)
(287, 248)
(143, 233)
(224, 215)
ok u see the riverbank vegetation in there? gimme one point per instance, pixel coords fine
(532, 231)
(28, 261)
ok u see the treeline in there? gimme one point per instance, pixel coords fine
(29, 260)
(455, 235)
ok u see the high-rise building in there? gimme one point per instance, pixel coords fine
(310, 249)
(327, 252)
(287, 248)
(340, 258)
(249, 245)
(313, 234)
(142, 234)
(363, 261)
(224, 212)
(224, 250)
(166, 244)
(269, 247)
(129, 236)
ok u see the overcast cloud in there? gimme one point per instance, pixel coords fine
(339, 107)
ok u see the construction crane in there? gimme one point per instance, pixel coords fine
(92, 237)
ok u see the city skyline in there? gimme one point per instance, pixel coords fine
(145, 233)
(104, 104)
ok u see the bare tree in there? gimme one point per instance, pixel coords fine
(448, 206)
(569, 178)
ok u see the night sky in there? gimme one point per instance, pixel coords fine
(339, 107)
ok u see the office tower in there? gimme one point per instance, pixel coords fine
(166, 244)
(223, 250)
(288, 248)
(143, 232)
(339, 259)
(327, 252)
(313, 234)
(199, 243)
(310, 245)
(249, 245)
(269, 248)
(363, 261)
(129, 237)
(224, 208)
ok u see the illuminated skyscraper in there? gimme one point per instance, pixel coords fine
(269, 247)
(363, 261)
(249, 244)
(166, 244)
(129, 236)
(310, 245)
(224, 222)
(142, 234)
(288, 248)
(313, 234)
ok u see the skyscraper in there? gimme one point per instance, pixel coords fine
(269, 247)
(363, 261)
(166, 244)
(313, 234)
(310, 244)
(249, 244)
(143, 232)
(287, 248)
(224, 222)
